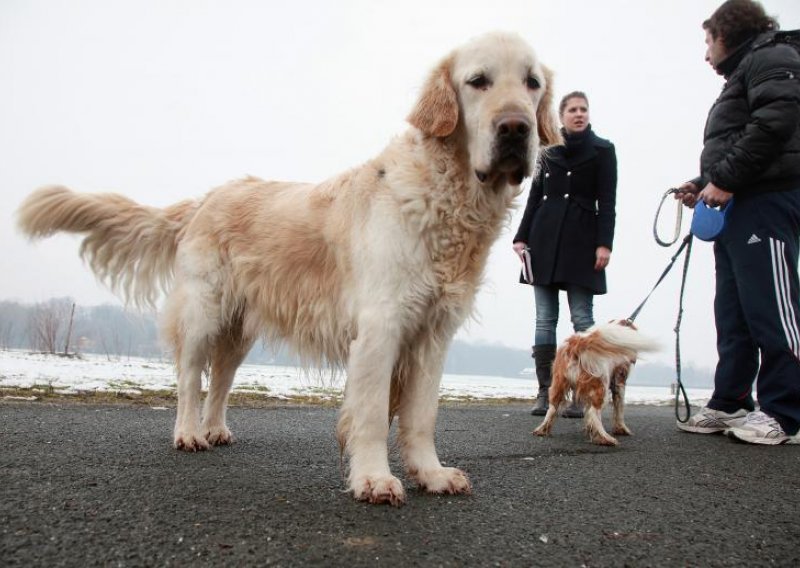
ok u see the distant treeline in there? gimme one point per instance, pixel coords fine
(117, 333)
(108, 330)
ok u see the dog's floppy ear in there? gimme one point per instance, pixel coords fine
(546, 118)
(436, 111)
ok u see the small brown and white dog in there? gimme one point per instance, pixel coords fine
(589, 364)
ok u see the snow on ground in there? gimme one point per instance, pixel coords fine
(97, 373)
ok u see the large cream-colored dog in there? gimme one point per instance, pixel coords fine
(373, 270)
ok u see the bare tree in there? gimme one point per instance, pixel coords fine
(46, 322)
(43, 328)
(6, 332)
(111, 342)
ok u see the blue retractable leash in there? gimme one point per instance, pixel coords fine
(707, 224)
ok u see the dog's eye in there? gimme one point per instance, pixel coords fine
(532, 83)
(478, 82)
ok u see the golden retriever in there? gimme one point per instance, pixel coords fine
(590, 364)
(372, 270)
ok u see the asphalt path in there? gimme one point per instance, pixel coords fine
(85, 485)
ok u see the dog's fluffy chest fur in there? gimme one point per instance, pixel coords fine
(451, 219)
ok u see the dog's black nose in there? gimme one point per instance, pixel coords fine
(513, 126)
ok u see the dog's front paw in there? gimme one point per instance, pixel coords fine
(603, 440)
(541, 431)
(218, 435)
(443, 480)
(379, 489)
(191, 442)
(621, 430)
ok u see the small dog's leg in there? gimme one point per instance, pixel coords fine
(363, 427)
(419, 403)
(547, 424)
(618, 425)
(594, 426)
(557, 396)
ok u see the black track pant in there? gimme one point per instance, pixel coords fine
(757, 308)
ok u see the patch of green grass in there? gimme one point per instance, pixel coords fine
(251, 388)
(125, 384)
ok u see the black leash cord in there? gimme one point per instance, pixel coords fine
(686, 244)
(680, 390)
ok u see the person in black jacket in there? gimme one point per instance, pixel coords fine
(568, 227)
(751, 163)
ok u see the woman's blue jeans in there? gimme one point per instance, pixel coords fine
(581, 307)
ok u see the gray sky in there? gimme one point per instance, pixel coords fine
(162, 100)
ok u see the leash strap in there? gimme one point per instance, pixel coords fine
(686, 244)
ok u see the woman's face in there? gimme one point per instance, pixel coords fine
(575, 116)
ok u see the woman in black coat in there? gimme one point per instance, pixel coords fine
(568, 227)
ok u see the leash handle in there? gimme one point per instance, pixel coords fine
(678, 219)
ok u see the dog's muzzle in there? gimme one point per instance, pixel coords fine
(511, 142)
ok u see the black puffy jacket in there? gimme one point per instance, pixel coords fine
(752, 139)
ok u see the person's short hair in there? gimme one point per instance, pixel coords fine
(736, 21)
(573, 95)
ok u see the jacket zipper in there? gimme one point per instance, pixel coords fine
(780, 74)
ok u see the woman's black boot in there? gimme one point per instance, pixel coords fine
(543, 355)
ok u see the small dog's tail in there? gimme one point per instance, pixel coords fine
(620, 335)
(612, 344)
(128, 246)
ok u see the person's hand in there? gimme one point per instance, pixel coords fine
(687, 193)
(714, 196)
(519, 246)
(602, 255)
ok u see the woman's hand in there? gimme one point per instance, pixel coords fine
(518, 247)
(602, 255)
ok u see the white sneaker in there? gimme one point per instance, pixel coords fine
(760, 428)
(709, 421)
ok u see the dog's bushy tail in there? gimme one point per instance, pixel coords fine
(613, 344)
(623, 337)
(128, 246)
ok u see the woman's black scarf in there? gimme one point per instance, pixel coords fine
(577, 143)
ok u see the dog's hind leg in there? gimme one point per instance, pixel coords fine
(228, 352)
(594, 426)
(618, 425)
(417, 410)
(363, 427)
(593, 394)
